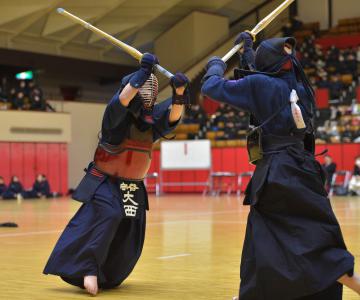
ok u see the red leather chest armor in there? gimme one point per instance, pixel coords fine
(130, 160)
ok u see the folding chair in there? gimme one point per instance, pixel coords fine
(216, 183)
(153, 176)
(240, 181)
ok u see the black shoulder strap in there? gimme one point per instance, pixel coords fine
(269, 119)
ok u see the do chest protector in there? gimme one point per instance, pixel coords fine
(130, 160)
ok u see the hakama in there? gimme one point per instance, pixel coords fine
(100, 239)
(293, 246)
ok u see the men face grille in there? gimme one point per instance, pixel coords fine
(149, 92)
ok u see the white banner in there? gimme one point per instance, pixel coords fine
(186, 155)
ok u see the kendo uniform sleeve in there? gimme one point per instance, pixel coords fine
(237, 93)
(118, 119)
(115, 111)
(162, 124)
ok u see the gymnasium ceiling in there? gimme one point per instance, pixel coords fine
(34, 25)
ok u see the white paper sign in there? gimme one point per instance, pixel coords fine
(185, 155)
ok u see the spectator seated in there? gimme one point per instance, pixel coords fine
(15, 189)
(40, 189)
(3, 187)
(22, 95)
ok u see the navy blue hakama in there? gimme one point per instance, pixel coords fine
(293, 246)
(101, 240)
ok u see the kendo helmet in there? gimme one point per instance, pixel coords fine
(270, 56)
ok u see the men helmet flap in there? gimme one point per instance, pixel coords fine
(270, 55)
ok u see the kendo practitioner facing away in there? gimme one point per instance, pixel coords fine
(293, 246)
(103, 241)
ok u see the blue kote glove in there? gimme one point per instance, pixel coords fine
(246, 38)
(215, 66)
(179, 80)
(147, 63)
(247, 58)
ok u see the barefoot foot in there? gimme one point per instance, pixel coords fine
(91, 285)
(351, 282)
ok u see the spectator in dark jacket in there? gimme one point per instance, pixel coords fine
(330, 169)
(2, 187)
(36, 100)
(4, 90)
(336, 87)
(18, 101)
(354, 185)
(36, 97)
(347, 135)
(41, 188)
(15, 189)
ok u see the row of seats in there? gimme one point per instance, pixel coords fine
(346, 26)
(349, 21)
(344, 78)
(307, 30)
(183, 130)
(187, 128)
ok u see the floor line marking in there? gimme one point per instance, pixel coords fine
(29, 233)
(149, 224)
(4, 235)
(174, 256)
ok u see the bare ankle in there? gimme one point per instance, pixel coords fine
(90, 284)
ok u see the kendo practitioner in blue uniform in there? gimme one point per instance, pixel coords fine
(293, 246)
(103, 241)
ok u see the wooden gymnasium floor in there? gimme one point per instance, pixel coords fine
(192, 249)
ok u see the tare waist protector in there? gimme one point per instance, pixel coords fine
(130, 160)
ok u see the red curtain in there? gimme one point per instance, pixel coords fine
(26, 160)
(322, 98)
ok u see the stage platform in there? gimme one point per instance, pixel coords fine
(192, 248)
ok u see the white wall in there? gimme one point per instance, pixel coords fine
(315, 11)
(189, 39)
(34, 126)
(85, 124)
